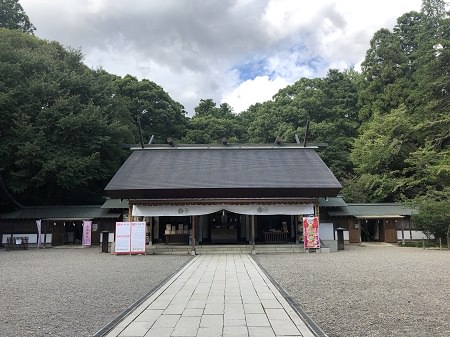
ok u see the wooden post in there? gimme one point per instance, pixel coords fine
(403, 232)
(293, 227)
(156, 230)
(252, 223)
(150, 232)
(316, 209)
(45, 234)
(130, 210)
(448, 237)
(193, 220)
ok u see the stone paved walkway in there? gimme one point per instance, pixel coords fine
(215, 295)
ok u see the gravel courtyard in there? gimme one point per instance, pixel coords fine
(361, 291)
(73, 292)
(369, 291)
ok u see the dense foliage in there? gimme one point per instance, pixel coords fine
(433, 218)
(63, 125)
(212, 124)
(12, 16)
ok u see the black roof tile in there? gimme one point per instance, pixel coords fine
(227, 172)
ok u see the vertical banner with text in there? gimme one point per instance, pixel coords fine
(311, 232)
(138, 237)
(123, 238)
(86, 239)
(130, 238)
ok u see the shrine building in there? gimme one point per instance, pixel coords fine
(223, 193)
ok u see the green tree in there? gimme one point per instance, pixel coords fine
(59, 142)
(211, 124)
(380, 152)
(206, 107)
(64, 126)
(404, 142)
(384, 70)
(330, 104)
(340, 125)
(159, 114)
(434, 11)
(433, 218)
(12, 16)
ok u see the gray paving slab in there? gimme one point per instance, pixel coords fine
(215, 295)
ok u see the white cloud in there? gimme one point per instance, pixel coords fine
(260, 89)
(194, 48)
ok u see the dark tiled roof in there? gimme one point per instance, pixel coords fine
(373, 210)
(216, 172)
(60, 213)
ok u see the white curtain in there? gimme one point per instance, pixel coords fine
(252, 209)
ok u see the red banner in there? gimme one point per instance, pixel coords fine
(311, 232)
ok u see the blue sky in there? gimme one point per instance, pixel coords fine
(252, 69)
(236, 51)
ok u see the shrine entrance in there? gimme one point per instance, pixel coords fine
(224, 227)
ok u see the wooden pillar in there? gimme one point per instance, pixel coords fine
(403, 232)
(193, 221)
(316, 209)
(45, 234)
(150, 231)
(200, 229)
(410, 230)
(247, 229)
(156, 229)
(130, 210)
(293, 227)
(252, 229)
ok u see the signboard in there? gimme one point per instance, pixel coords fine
(311, 232)
(130, 238)
(138, 237)
(86, 239)
(123, 238)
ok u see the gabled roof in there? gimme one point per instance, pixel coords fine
(60, 213)
(377, 210)
(223, 172)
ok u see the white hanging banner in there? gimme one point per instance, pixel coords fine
(175, 210)
(38, 224)
(274, 209)
(251, 209)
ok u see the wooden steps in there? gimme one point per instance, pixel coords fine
(160, 249)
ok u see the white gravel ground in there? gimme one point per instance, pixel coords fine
(369, 291)
(73, 292)
(361, 291)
